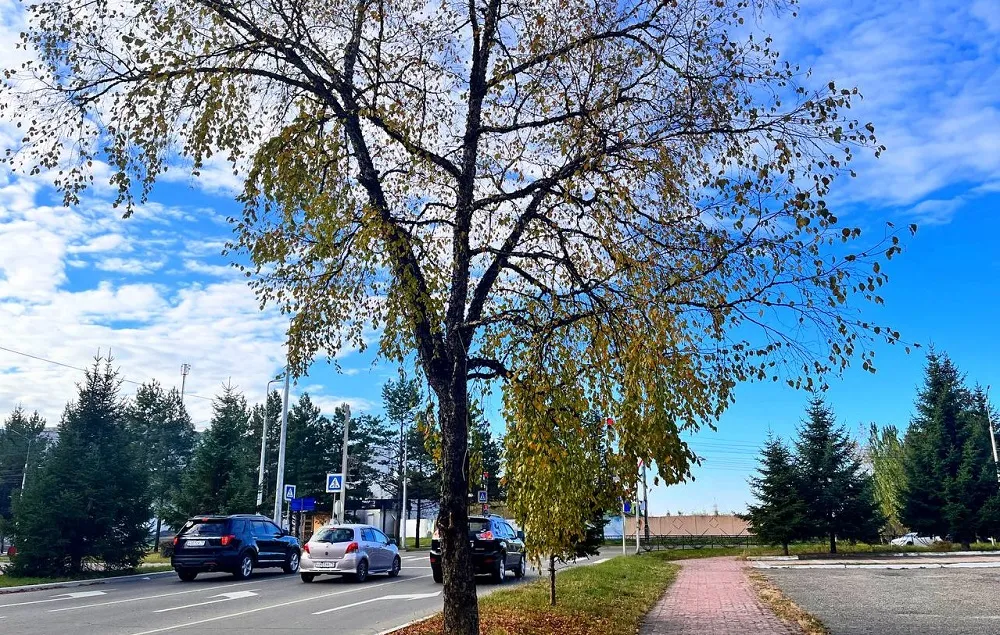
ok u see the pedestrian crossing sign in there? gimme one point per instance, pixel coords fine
(334, 483)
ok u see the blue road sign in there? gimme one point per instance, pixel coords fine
(627, 507)
(334, 483)
(482, 496)
(307, 504)
(289, 492)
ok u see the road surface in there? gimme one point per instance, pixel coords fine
(267, 603)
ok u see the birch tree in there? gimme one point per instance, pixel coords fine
(629, 197)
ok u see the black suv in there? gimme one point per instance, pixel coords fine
(496, 549)
(235, 544)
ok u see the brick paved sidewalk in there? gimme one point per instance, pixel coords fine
(712, 596)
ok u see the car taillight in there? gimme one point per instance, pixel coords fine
(486, 535)
(306, 547)
(352, 548)
(176, 540)
(227, 539)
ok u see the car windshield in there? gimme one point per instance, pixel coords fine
(204, 528)
(335, 534)
(478, 526)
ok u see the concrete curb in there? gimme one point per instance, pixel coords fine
(876, 555)
(887, 565)
(77, 583)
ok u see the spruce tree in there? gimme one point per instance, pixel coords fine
(222, 475)
(780, 514)
(312, 449)
(158, 420)
(949, 472)
(20, 447)
(271, 409)
(90, 499)
(838, 495)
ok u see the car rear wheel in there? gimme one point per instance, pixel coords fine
(186, 575)
(396, 566)
(436, 572)
(362, 573)
(519, 570)
(500, 570)
(308, 577)
(246, 567)
(291, 563)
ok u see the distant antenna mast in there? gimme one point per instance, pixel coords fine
(185, 369)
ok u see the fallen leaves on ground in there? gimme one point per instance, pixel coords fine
(508, 622)
(783, 607)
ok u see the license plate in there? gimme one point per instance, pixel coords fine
(194, 543)
(325, 565)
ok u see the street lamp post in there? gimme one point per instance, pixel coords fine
(279, 485)
(263, 446)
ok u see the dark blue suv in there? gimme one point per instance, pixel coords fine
(235, 544)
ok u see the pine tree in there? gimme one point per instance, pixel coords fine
(948, 462)
(401, 399)
(90, 498)
(158, 420)
(312, 449)
(369, 454)
(839, 496)
(780, 514)
(222, 475)
(272, 410)
(20, 446)
(487, 453)
(423, 473)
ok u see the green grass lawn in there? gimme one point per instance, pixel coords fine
(610, 598)
(12, 581)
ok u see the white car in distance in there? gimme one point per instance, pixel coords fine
(912, 539)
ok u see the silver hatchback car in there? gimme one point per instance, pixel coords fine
(353, 550)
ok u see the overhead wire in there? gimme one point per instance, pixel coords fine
(83, 370)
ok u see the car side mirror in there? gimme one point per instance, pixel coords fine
(392, 541)
(520, 535)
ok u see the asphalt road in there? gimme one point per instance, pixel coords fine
(268, 602)
(896, 602)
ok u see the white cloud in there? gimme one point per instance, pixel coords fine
(329, 403)
(104, 242)
(222, 271)
(130, 266)
(929, 72)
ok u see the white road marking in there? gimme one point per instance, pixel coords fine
(411, 596)
(225, 597)
(152, 597)
(59, 598)
(277, 606)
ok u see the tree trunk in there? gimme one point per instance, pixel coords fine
(461, 609)
(784, 546)
(833, 542)
(416, 534)
(552, 580)
(156, 537)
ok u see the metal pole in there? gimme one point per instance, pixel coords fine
(185, 369)
(263, 447)
(24, 475)
(402, 512)
(993, 441)
(624, 546)
(343, 464)
(280, 481)
(637, 519)
(645, 504)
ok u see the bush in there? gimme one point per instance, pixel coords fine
(166, 548)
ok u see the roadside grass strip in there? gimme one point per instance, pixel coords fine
(7, 581)
(606, 598)
(783, 607)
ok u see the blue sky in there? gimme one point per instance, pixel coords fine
(155, 290)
